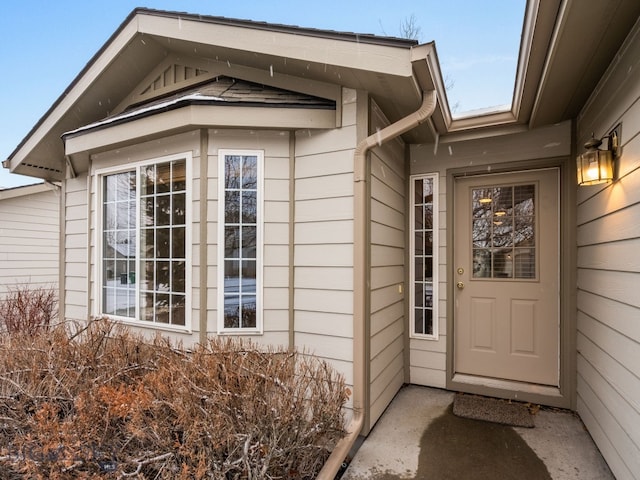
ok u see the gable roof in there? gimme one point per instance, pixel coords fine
(565, 49)
(298, 59)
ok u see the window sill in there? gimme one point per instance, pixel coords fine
(148, 325)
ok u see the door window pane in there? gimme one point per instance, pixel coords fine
(503, 231)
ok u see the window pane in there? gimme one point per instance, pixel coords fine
(163, 237)
(147, 211)
(428, 243)
(148, 180)
(232, 172)
(231, 276)
(232, 207)
(178, 270)
(163, 277)
(162, 308)
(248, 311)
(231, 311)
(147, 306)
(163, 210)
(250, 173)
(419, 245)
(419, 269)
(177, 242)
(232, 242)
(163, 178)
(419, 321)
(249, 207)
(179, 209)
(177, 309)
(249, 242)
(148, 241)
(248, 283)
(179, 176)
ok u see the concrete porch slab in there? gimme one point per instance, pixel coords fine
(393, 450)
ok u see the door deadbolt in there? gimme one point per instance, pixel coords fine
(460, 270)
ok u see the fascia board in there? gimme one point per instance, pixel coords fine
(336, 52)
(199, 116)
(25, 190)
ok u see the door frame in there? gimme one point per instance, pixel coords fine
(565, 395)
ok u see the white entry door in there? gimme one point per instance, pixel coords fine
(506, 272)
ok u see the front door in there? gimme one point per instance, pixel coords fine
(506, 272)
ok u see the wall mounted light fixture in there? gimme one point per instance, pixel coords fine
(595, 165)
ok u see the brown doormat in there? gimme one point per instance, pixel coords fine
(492, 410)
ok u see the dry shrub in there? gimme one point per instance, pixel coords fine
(103, 403)
(28, 309)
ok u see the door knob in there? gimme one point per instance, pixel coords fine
(460, 285)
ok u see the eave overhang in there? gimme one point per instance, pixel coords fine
(306, 60)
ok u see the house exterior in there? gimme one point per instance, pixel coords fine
(311, 189)
(29, 235)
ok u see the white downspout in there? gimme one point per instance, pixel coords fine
(360, 288)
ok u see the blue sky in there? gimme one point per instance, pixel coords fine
(45, 43)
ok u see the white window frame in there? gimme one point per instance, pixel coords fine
(98, 209)
(258, 329)
(435, 253)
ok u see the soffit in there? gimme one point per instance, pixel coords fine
(586, 38)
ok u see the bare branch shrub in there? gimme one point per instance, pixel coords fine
(103, 403)
(28, 309)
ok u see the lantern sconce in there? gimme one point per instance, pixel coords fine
(595, 165)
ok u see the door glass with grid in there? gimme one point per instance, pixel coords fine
(504, 232)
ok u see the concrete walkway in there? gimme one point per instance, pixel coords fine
(401, 445)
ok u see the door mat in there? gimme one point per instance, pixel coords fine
(493, 410)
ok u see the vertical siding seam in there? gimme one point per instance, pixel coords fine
(203, 247)
(88, 245)
(291, 225)
(62, 257)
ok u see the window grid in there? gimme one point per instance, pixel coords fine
(163, 229)
(155, 242)
(424, 252)
(240, 245)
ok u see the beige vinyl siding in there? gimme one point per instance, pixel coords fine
(387, 233)
(76, 257)
(29, 237)
(608, 339)
(275, 292)
(428, 357)
(323, 232)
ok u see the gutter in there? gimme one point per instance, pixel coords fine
(342, 449)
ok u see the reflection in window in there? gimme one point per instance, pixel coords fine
(240, 247)
(424, 252)
(144, 266)
(503, 231)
